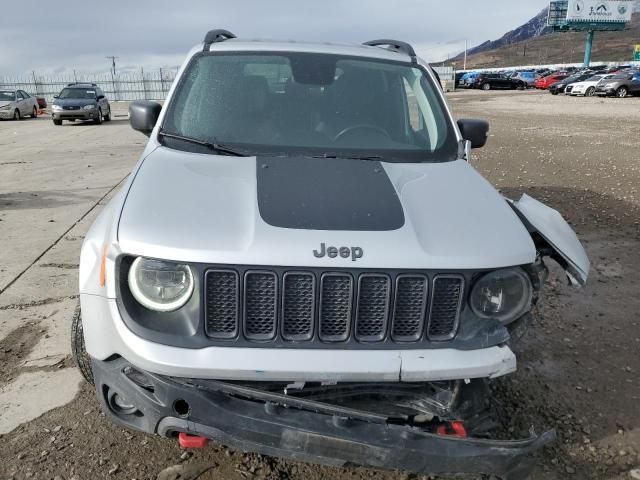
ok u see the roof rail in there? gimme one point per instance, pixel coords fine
(214, 36)
(394, 45)
(81, 83)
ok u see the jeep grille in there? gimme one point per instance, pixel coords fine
(331, 307)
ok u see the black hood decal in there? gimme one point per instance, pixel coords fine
(327, 194)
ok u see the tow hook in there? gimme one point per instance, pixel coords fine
(452, 429)
(192, 441)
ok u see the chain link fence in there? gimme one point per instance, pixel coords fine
(134, 85)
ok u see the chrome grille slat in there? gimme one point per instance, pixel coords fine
(260, 305)
(336, 299)
(445, 307)
(409, 309)
(298, 306)
(372, 312)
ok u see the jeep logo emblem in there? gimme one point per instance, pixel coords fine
(345, 252)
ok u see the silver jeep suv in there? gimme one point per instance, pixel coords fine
(304, 264)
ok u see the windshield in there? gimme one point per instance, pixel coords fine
(621, 76)
(311, 104)
(7, 96)
(80, 93)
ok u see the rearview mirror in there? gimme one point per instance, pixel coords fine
(56, 96)
(143, 115)
(475, 131)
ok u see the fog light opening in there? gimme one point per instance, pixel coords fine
(182, 408)
(121, 405)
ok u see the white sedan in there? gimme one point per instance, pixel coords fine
(17, 104)
(588, 86)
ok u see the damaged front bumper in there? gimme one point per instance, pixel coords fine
(299, 428)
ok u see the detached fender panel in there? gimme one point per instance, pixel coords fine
(558, 234)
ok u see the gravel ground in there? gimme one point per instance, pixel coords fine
(578, 366)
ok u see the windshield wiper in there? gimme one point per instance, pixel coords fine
(348, 156)
(218, 148)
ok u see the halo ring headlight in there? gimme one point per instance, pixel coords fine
(160, 285)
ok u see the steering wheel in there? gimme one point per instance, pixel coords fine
(352, 128)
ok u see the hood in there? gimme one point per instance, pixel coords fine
(290, 211)
(76, 102)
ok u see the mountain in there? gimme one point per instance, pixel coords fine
(535, 42)
(535, 27)
(560, 48)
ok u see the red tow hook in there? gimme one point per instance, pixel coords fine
(452, 429)
(192, 441)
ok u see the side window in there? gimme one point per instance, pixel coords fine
(415, 116)
(20, 96)
(24, 94)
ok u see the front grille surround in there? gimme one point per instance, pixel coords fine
(333, 307)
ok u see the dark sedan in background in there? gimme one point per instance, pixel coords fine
(487, 81)
(559, 87)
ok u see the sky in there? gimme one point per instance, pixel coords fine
(55, 36)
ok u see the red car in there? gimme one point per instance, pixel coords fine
(545, 82)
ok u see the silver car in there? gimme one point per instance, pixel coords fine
(304, 263)
(17, 104)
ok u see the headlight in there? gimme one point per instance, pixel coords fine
(160, 286)
(502, 295)
(89, 107)
(6, 107)
(56, 107)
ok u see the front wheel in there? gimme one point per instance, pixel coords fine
(107, 116)
(98, 119)
(57, 122)
(78, 350)
(486, 87)
(622, 92)
(16, 115)
(590, 92)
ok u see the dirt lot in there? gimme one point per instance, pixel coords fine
(578, 367)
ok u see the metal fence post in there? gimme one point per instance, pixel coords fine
(161, 84)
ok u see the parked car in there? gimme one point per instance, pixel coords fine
(470, 79)
(81, 101)
(488, 81)
(234, 290)
(545, 82)
(529, 78)
(559, 87)
(17, 104)
(587, 87)
(620, 85)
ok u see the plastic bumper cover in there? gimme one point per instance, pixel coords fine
(106, 335)
(298, 433)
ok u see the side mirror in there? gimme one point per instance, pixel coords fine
(100, 97)
(475, 131)
(56, 96)
(143, 115)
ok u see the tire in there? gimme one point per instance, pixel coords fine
(590, 92)
(98, 119)
(16, 115)
(486, 87)
(554, 92)
(622, 92)
(78, 351)
(34, 114)
(107, 117)
(57, 122)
